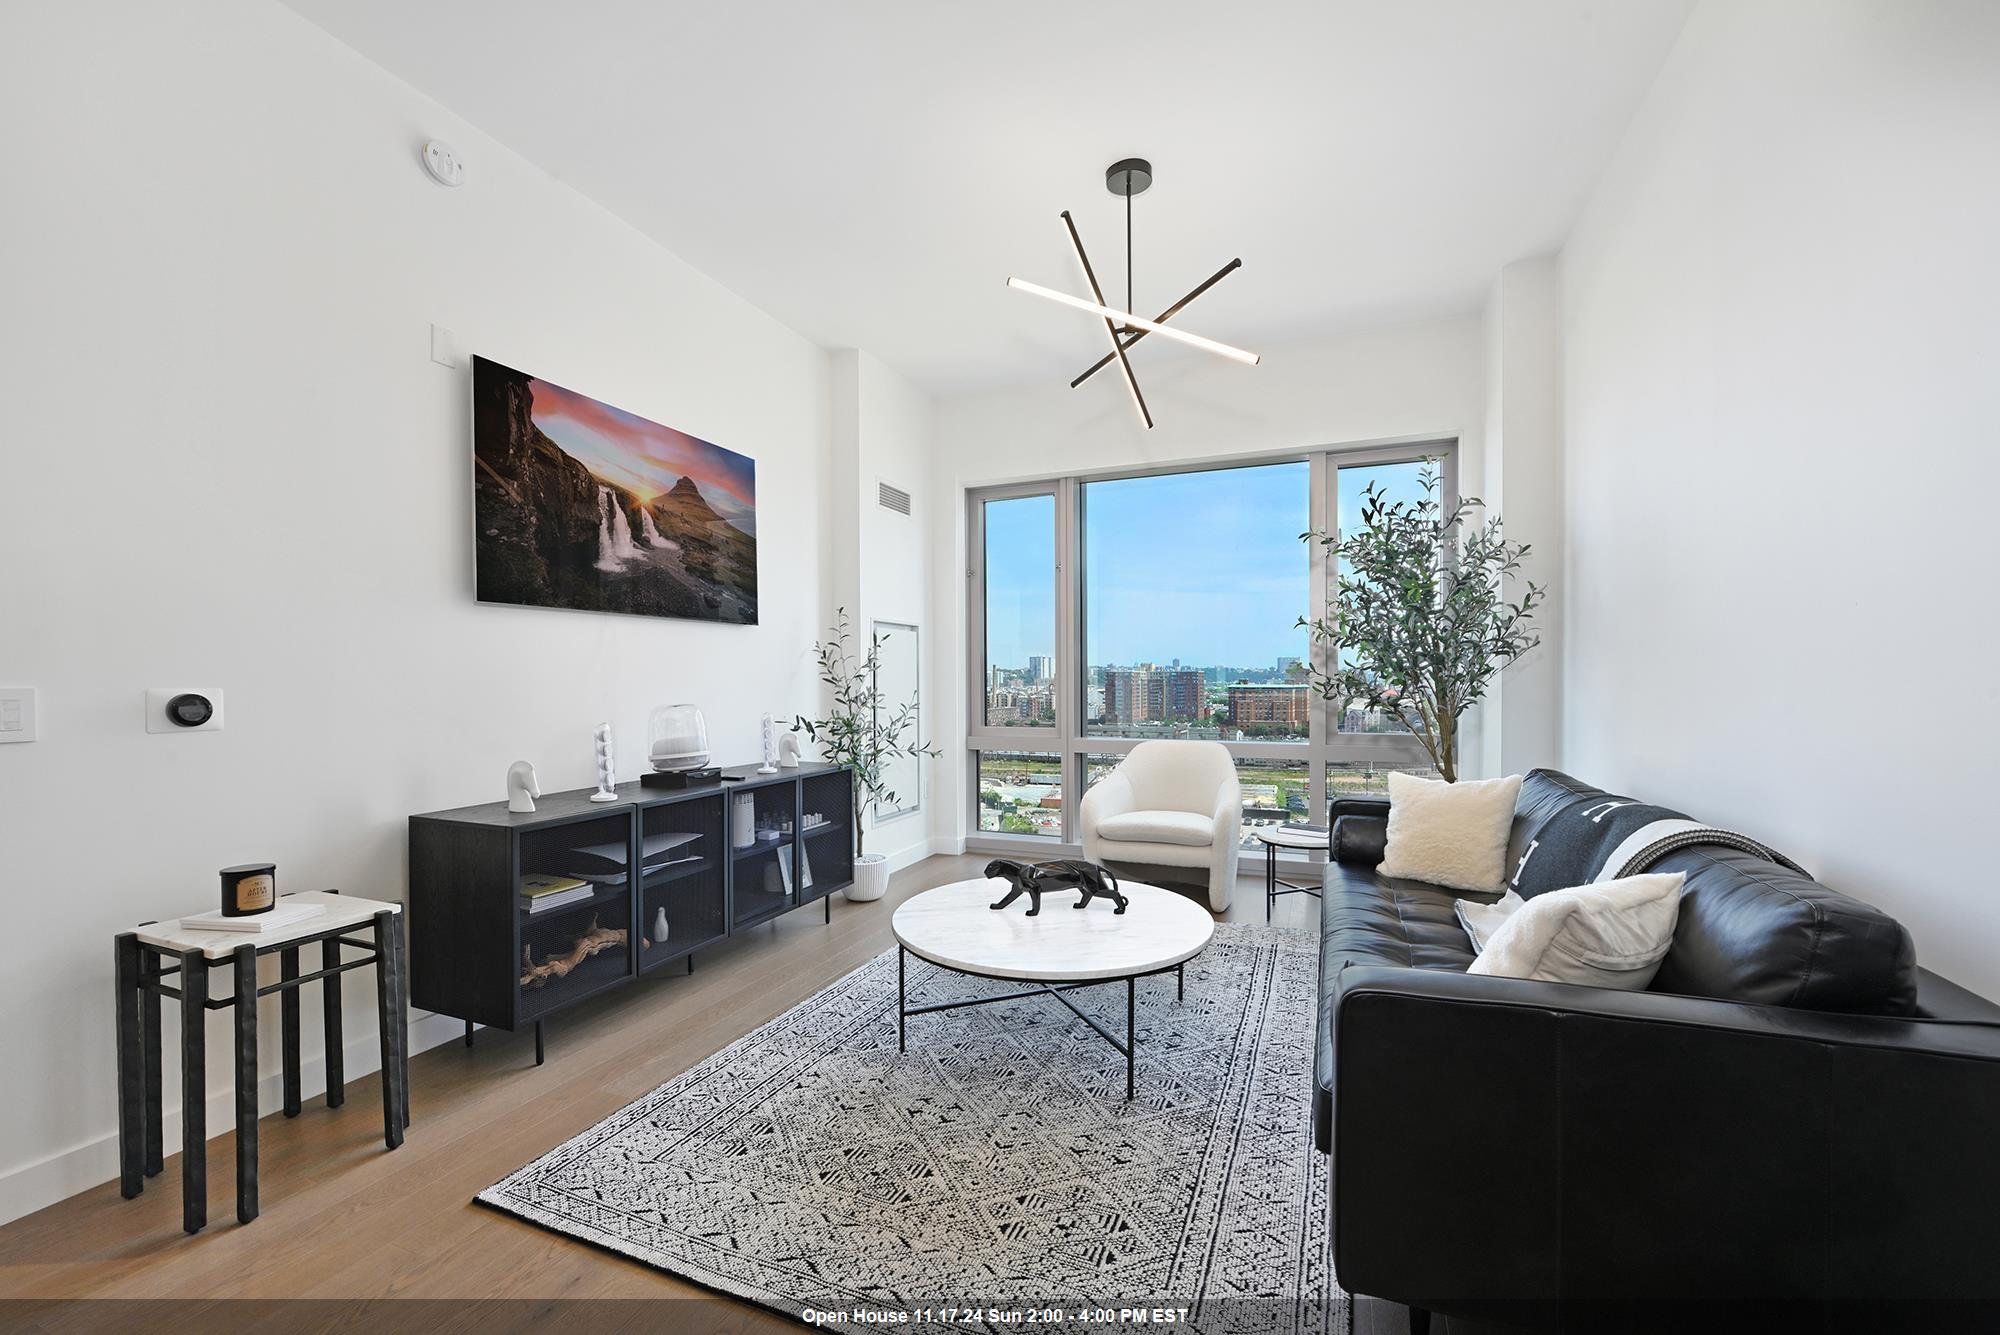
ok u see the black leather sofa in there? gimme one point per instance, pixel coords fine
(1795, 1124)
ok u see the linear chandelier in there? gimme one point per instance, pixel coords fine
(1129, 177)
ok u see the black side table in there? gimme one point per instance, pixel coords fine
(154, 952)
(1275, 837)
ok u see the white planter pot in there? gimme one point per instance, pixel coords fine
(871, 878)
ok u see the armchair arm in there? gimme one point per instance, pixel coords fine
(1503, 1148)
(1109, 796)
(1226, 848)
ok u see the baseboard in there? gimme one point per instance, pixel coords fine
(912, 853)
(33, 1186)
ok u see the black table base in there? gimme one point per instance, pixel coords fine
(1274, 887)
(1128, 1047)
(140, 972)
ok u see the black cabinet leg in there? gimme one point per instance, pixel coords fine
(288, 1027)
(690, 962)
(131, 1087)
(336, 1042)
(468, 1033)
(386, 1023)
(246, 1082)
(194, 1091)
(149, 1039)
(538, 1043)
(1420, 1321)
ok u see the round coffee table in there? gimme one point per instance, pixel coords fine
(1061, 949)
(1275, 837)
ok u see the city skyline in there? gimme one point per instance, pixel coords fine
(1220, 548)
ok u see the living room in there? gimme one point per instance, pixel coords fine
(1088, 666)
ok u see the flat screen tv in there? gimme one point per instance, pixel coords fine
(582, 505)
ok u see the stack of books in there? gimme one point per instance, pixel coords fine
(280, 915)
(541, 893)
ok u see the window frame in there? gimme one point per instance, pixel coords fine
(1070, 739)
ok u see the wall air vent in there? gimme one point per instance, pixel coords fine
(892, 498)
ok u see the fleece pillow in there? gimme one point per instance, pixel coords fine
(1611, 934)
(1450, 834)
(1482, 921)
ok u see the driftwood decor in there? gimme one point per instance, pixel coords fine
(594, 940)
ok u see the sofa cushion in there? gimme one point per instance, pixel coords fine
(1754, 931)
(1159, 827)
(1608, 934)
(1450, 834)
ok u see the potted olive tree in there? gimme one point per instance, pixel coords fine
(1420, 625)
(864, 733)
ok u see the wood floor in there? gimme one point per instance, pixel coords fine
(343, 1219)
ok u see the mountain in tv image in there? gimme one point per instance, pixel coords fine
(582, 505)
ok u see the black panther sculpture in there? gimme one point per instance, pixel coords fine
(1035, 879)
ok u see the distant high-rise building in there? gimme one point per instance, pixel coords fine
(1183, 694)
(1125, 695)
(1041, 668)
(1280, 705)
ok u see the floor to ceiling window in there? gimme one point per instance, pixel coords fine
(1109, 610)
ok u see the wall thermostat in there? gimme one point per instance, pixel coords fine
(441, 160)
(183, 709)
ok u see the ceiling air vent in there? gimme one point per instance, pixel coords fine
(892, 498)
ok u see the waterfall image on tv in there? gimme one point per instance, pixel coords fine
(581, 505)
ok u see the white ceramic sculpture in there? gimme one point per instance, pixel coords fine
(660, 925)
(607, 777)
(788, 750)
(770, 765)
(522, 789)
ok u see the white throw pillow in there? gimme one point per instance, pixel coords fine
(1483, 921)
(1450, 834)
(1610, 934)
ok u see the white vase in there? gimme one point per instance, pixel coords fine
(660, 925)
(871, 878)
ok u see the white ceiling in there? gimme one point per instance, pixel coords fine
(869, 171)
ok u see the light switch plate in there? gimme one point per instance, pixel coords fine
(444, 347)
(156, 709)
(17, 714)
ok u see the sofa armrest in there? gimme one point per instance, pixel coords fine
(1502, 1149)
(1357, 806)
(1360, 841)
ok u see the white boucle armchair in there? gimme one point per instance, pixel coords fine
(1172, 804)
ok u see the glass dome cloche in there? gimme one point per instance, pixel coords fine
(679, 738)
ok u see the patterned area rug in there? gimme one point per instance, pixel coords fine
(994, 1170)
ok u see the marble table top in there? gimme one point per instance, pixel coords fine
(1279, 837)
(341, 911)
(953, 926)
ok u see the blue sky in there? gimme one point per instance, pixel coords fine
(1205, 567)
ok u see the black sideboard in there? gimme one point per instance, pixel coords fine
(478, 955)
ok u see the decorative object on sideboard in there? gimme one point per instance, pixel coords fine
(1035, 879)
(743, 820)
(788, 749)
(1425, 553)
(578, 504)
(607, 770)
(522, 787)
(250, 888)
(862, 732)
(1129, 177)
(770, 765)
(594, 940)
(660, 925)
(678, 735)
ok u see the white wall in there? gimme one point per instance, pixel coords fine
(228, 461)
(1782, 322)
(1524, 486)
(882, 431)
(1412, 383)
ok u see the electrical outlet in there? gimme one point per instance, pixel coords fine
(183, 709)
(17, 714)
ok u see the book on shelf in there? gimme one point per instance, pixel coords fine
(541, 892)
(274, 919)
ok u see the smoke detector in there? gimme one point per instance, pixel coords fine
(441, 160)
